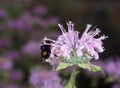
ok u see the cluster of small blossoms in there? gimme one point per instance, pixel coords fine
(70, 48)
(113, 64)
(44, 79)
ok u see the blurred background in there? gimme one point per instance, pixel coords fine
(23, 25)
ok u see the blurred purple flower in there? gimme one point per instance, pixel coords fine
(112, 68)
(3, 13)
(5, 42)
(22, 23)
(15, 75)
(5, 64)
(11, 86)
(31, 48)
(116, 85)
(25, 16)
(40, 10)
(12, 24)
(43, 23)
(53, 20)
(13, 54)
(44, 79)
(40, 21)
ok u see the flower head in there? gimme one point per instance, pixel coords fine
(44, 79)
(31, 48)
(114, 65)
(70, 48)
(5, 64)
(90, 44)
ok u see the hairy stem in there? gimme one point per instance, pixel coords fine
(73, 76)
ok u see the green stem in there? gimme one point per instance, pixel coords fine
(73, 76)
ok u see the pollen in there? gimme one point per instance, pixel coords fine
(44, 53)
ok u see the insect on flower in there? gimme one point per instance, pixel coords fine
(70, 48)
(45, 50)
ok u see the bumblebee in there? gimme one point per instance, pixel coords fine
(45, 50)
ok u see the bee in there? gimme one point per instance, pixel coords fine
(45, 50)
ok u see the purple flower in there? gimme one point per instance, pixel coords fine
(53, 20)
(15, 75)
(5, 64)
(116, 85)
(3, 13)
(40, 10)
(31, 48)
(111, 67)
(13, 54)
(12, 24)
(70, 47)
(44, 79)
(22, 23)
(25, 16)
(90, 44)
(43, 23)
(65, 43)
(5, 42)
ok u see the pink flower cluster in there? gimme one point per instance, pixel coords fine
(69, 44)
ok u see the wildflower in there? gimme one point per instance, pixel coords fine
(5, 64)
(72, 49)
(90, 44)
(116, 85)
(5, 42)
(44, 79)
(15, 75)
(114, 65)
(40, 10)
(3, 13)
(12, 54)
(31, 48)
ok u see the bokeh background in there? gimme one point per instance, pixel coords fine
(23, 25)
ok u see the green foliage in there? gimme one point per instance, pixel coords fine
(84, 66)
(95, 68)
(63, 66)
(90, 67)
(70, 82)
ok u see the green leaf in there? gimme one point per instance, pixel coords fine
(109, 79)
(63, 66)
(84, 66)
(95, 68)
(70, 82)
